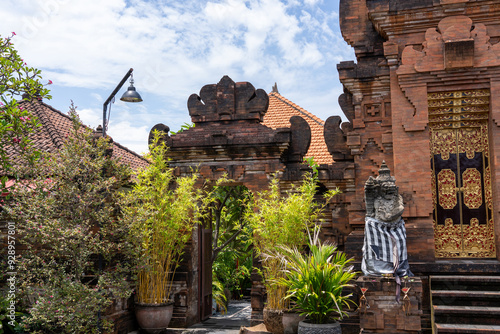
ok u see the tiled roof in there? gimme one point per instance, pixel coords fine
(56, 126)
(278, 116)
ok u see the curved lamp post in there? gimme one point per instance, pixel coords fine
(130, 95)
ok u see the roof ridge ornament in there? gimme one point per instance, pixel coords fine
(275, 88)
(228, 101)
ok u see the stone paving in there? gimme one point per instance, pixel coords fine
(238, 314)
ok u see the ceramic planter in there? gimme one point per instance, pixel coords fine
(309, 328)
(273, 319)
(154, 318)
(291, 322)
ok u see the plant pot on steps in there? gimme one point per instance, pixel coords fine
(154, 318)
(291, 322)
(273, 319)
(310, 328)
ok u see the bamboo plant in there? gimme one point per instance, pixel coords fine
(281, 220)
(162, 210)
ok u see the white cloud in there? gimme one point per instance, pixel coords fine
(176, 47)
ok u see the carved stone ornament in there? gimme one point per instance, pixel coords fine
(384, 249)
(228, 100)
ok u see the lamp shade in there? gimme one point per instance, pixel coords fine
(131, 95)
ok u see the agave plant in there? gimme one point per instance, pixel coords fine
(315, 281)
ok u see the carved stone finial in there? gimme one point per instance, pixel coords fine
(300, 139)
(227, 101)
(384, 174)
(275, 88)
(335, 138)
(164, 132)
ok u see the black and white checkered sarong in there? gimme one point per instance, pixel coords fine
(380, 238)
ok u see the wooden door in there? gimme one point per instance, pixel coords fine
(205, 286)
(461, 181)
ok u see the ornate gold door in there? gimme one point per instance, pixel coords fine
(461, 181)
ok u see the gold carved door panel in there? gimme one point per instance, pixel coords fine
(461, 178)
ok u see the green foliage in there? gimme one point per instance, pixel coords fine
(8, 318)
(16, 79)
(185, 126)
(229, 227)
(312, 164)
(162, 211)
(65, 209)
(282, 220)
(231, 236)
(233, 268)
(315, 281)
(218, 295)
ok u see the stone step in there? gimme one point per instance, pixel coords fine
(460, 328)
(465, 278)
(465, 294)
(467, 310)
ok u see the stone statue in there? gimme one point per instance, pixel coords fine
(384, 249)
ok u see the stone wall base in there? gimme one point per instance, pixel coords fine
(379, 311)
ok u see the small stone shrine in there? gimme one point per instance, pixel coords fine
(390, 297)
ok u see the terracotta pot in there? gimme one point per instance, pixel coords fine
(291, 322)
(154, 318)
(273, 319)
(309, 328)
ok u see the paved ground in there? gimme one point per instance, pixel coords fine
(238, 315)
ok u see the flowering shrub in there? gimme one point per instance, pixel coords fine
(77, 254)
(16, 79)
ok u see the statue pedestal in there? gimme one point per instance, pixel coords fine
(380, 313)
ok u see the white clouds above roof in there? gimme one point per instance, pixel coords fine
(176, 47)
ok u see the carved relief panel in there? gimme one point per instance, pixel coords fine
(461, 181)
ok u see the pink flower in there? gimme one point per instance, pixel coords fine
(16, 140)
(13, 34)
(50, 82)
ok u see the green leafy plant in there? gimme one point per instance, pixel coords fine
(232, 268)
(281, 220)
(9, 317)
(230, 229)
(231, 237)
(162, 211)
(315, 280)
(76, 255)
(218, 295)
(185, 126)
(17, 81)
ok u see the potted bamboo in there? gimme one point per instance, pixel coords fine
(315, 282)
(281, 220)
(162, 211)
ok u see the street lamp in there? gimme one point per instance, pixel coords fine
(130, 95)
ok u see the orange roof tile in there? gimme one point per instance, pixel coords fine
(56, 127)
(278, 116)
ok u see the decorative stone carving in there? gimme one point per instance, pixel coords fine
(228, 100)
(456, 42)
(384, 249)
(300, 140)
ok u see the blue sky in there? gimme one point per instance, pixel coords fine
(85, 47)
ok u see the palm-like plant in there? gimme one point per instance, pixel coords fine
(315, 281)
